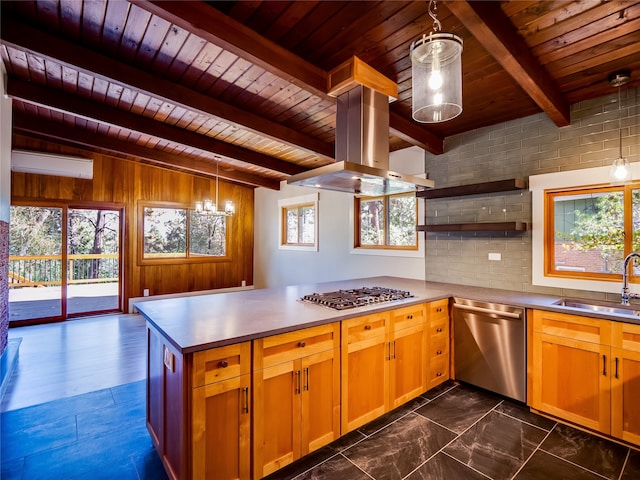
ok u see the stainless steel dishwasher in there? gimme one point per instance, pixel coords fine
(490, 347)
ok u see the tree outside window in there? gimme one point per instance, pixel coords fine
(387, 222)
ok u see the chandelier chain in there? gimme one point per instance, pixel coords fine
(433, 13)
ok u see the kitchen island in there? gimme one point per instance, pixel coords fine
(233, 377)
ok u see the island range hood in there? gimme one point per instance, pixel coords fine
(362, 150)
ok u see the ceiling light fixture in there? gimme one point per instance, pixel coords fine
(207, 207)
(620, 171)
(436, 70)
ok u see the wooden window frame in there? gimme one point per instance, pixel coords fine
(187, 258)
(297, 203)
(549, 231)
(357, 225)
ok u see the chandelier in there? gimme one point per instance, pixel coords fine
(436, 70)
(207, 207)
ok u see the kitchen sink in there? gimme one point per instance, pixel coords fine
(601, 307)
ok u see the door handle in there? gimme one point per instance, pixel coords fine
(617, 368)
(245, 408)
(298, 385)
(306, 382)
(604, 365)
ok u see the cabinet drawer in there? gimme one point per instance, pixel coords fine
(438, 347)
(438, 370)
(408, 316)
(572, 326)
(438, 328)
(286, 347)
(626, 336)
(364, 328)
(217, 364)
(438, 309)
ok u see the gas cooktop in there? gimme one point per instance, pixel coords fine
(356, 297)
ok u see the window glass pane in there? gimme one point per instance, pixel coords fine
(208, 235)
(372, 221)
(402, 221)
(589, 232)
(291, 217)
(165, 232)
(635, 200)
(308, 225)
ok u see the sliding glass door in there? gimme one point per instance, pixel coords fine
(63, 262)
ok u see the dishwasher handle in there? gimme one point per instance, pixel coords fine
(488, 310)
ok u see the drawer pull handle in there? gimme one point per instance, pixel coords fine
(439, 374)
(438, 329)
(439, 352)
(367, 327)
(409, 317)
(223, 364)
(302, 344)
(439, 309)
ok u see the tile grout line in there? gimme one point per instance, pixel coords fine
(533, 452)
(458, 435)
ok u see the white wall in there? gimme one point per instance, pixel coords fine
(334, 259)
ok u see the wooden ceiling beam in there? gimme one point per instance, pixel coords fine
(214, 26)
(32, 126)
(67, 103)
(495, 32)
(23, 36)
(410, 132)
(209, 23)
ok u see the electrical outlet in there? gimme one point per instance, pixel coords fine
(495, 256)
(145, 292)
(169, 359)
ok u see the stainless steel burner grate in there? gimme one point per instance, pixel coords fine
(356, 297)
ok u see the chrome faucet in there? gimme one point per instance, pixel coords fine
(625, 279)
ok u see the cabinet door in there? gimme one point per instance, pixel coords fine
(365, 370)
(407, 370)
(277, 417)
(221, 445)
(320, 400)
(571, 379)
(625, 382)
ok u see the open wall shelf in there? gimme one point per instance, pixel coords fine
(475, 189)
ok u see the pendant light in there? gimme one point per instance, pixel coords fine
(436, 70)
(207, 207)
(620, 171)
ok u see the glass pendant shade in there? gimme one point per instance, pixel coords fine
(207, 207)
(436, 69)
(620, 171)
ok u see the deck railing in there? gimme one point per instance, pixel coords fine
(44, 270)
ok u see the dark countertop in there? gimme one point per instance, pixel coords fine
(206, 321)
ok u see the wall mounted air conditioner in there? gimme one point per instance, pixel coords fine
(51, 164)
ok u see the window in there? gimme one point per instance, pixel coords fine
(298, 223)
(582, 232)
(590, 226)
(171, 233)
(387, 222)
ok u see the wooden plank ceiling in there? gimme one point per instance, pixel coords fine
(241, 85)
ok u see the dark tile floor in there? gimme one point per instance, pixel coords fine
(453, 432)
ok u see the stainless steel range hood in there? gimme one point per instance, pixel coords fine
(362, 150)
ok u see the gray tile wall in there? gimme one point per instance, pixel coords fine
(517, 149)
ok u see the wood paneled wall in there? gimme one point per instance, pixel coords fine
(125, 183)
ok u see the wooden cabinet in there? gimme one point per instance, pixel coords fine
(571, 368)
(296, 379)
(365, 369)
(438, 341)
(587, 371)
(407, 354)
(625, 382)
(220, 413)
(198, 409)
(384, 363)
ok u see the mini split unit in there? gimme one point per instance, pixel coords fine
(51, 164)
